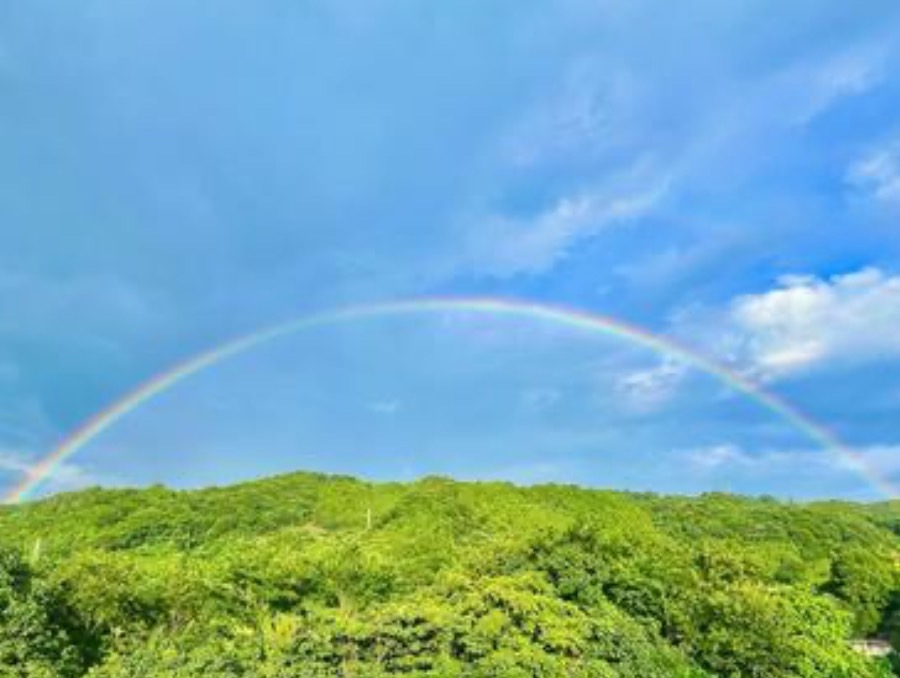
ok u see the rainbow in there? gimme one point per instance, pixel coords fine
(559, 315)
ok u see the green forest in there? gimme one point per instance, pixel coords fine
(315, 575)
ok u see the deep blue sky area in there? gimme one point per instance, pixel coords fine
(174, 174)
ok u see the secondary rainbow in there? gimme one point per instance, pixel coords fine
(560, 315)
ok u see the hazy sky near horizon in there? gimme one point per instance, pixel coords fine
(173, 175)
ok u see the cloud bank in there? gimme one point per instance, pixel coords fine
(807, 323)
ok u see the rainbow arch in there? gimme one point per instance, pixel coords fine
(560, 315)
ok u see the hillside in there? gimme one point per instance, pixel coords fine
(313, 575)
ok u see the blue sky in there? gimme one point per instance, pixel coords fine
(176, 174)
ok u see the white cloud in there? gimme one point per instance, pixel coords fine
(716, 456)
(505, 246)
(599, 123)
(844, 75)
(650, 388)
(596, 125)
(877, 173)
(732, 458)
(13, 461)
(385, 407)
(883, 459)
(808, 323)
(65, 477)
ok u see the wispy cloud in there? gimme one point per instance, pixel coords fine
(824, 83)
(385, 407)
(877, 173)
(505, 246)
(16, 464)
(735, 459)
(717, 456)
(597, 126)
(648, 389)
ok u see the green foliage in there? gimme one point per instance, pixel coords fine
(39, 633)
(309, 575)
(748, 629)
(864, 579)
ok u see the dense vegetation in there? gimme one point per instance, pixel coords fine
(309, 575)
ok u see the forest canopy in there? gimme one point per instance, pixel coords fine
(314, 575)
